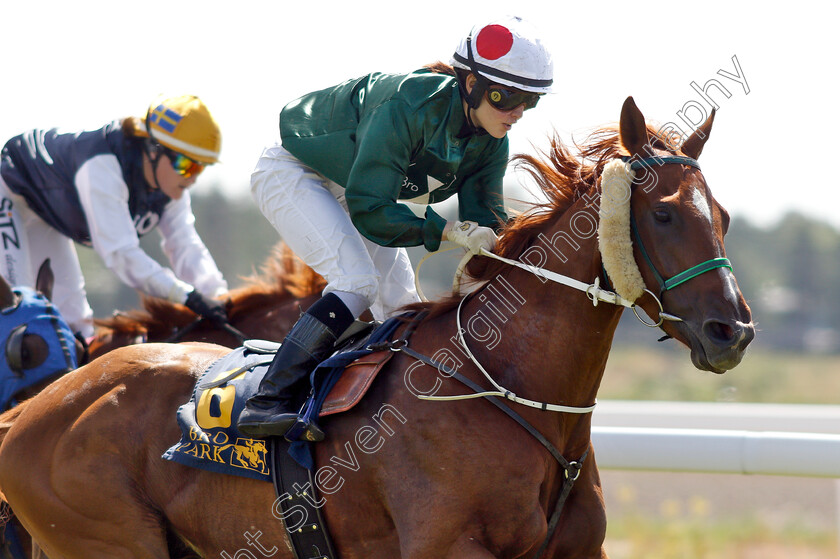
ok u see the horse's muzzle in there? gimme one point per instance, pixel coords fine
(723, 344)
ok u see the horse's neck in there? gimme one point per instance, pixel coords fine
(542, 340)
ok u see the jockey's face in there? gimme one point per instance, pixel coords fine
(497, 123)
(169, 180)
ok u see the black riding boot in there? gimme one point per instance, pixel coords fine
(274, 408)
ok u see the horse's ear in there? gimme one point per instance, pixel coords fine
(45, 280)
(632, 128)
(693, 145)
(7, 297)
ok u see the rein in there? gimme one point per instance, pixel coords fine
(594, 291)
(229, 328)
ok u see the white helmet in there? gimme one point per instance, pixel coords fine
(507, 51)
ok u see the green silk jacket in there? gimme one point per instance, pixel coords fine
(388, 137)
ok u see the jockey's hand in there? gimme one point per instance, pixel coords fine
(471, 236)
(211, 309)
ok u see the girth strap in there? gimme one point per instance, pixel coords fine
(299, 500)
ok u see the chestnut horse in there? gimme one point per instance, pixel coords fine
(265, 307)
(402, 476)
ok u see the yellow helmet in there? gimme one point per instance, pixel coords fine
(185, 125)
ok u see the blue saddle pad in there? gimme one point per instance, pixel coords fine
(209, 437)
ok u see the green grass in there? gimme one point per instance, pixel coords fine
(763, 376)
(686, 529)
(692, 536)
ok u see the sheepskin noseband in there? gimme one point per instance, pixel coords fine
(614, 240)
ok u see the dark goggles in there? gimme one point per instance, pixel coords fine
(506, 99)
(182, 164)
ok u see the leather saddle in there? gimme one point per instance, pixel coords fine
(358, 375)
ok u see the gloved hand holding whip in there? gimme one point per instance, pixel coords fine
(211, 309)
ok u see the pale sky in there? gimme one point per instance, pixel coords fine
(80, 64)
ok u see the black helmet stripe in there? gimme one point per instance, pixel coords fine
(487, 70)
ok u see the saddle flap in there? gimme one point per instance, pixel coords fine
(354, 382)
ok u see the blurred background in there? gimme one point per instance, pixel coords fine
(788, 272)
(80, 64)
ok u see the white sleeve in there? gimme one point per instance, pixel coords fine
(186, 251)
(104, 197)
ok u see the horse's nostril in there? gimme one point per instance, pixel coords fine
(735, 335)
(720, 332)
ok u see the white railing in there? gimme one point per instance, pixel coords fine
(776, 439)
(717, 451)
(718, 415)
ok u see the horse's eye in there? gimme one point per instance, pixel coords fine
(34, 351)
(662, 215)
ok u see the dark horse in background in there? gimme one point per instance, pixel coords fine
(80, 463)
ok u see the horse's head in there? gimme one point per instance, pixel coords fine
(38, 345)
(677, 229)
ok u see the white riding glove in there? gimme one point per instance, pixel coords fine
(471, 236)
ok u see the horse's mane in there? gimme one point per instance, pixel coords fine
(283, 276)
(562, 174)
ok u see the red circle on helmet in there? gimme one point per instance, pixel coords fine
(494, 41)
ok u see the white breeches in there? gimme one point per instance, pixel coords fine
(27, 241)
(310, 213)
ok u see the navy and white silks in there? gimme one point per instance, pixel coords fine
(57, 188)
